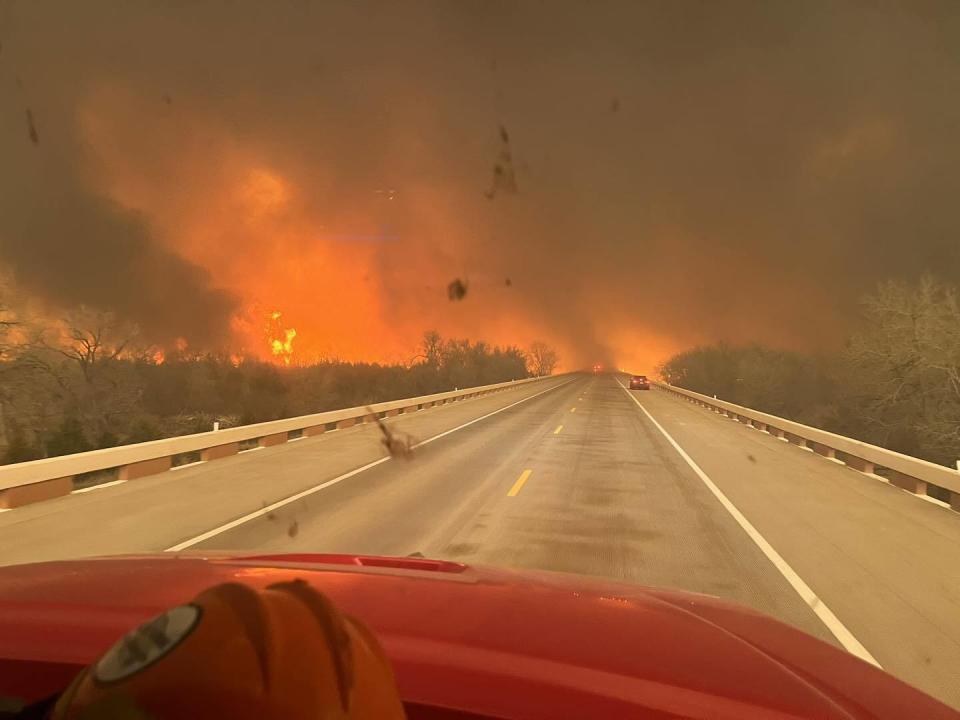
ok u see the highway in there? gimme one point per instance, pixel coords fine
(573, 474)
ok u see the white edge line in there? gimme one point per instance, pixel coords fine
(928, 498)
(356, 471)
(97, 486)
(839, 630)
(935, 501)
(188, 465)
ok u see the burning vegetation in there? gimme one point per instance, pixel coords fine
(96, 384)
(280, 338)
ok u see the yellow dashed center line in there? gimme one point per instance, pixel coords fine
(557, 431)
(519, 483)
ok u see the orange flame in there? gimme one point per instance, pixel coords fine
(158, 357)
(284, 348)
(280, 346)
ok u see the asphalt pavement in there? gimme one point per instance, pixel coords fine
(572, 475)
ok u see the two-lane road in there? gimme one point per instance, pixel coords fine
(580, 479)
(575, 480)
(572, 474)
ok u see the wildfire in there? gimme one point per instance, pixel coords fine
(281, 345)
(159, 357)
(284, 348)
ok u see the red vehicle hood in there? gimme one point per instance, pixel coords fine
(495, 642)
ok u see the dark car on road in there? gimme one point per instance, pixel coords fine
(639, 382)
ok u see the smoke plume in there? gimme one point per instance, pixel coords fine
(647, 175)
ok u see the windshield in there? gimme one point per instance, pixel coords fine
(377, 278)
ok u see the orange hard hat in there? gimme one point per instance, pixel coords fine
(281, 652)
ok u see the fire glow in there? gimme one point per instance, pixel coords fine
(354, 281)
(281, 339)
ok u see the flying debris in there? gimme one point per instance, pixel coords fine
(398, 444)
(457, 290)
(615, 105)
(167, 99)
(293, 529)
(508, 282)
(504, 177)
(32, 128)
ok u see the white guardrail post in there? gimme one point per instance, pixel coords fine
(36, 480)
(906, 472)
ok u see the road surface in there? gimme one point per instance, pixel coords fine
(573, 475)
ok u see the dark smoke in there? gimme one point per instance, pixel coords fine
(685, 171)
(77, 248)
(72, 246)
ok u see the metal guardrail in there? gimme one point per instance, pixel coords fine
(908, 473)
(27, 482)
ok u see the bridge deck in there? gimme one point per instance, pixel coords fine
(606, 494)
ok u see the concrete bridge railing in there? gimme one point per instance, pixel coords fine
(28, 482)
(908, 473)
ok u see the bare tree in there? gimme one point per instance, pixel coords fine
(907, 357)
(432, 348)
(542, 359)
(7, 323)
(82, 354)
(92, 339)
(11, 382)
(10, 321)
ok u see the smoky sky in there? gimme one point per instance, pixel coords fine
(684, 172)
(63, 239)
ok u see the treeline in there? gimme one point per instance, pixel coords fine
(896, 383)
(84, 387)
